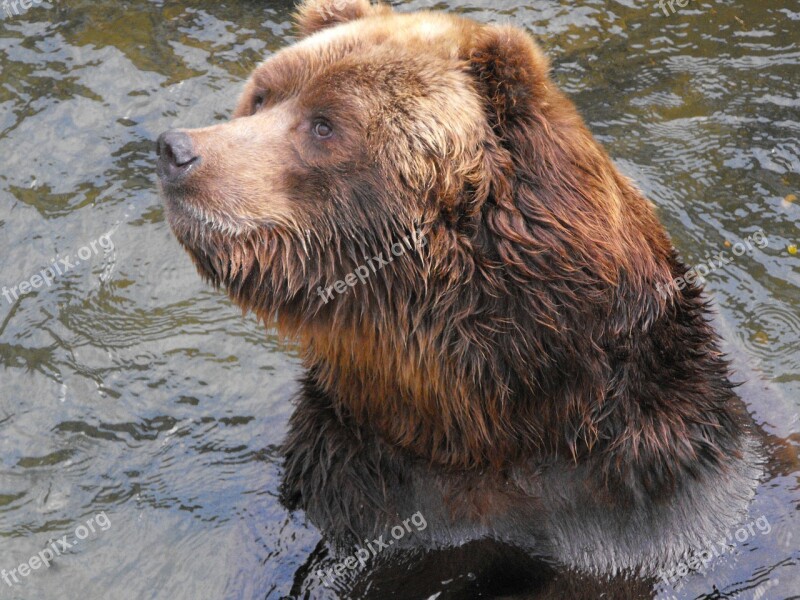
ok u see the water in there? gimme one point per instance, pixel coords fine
(132, 391)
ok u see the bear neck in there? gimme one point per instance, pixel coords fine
(648, 404)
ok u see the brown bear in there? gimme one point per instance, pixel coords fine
(522, 369)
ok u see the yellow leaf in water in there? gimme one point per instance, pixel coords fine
(761, 338)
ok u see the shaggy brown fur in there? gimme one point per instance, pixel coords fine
(526, 336)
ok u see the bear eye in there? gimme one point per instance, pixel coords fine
(322, 129)
(258, 102)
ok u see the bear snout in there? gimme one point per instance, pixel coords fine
(176, 156)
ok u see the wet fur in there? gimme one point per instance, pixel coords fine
(519, 377)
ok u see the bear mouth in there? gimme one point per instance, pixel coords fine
(192, 223)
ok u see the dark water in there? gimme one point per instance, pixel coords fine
(134, 395)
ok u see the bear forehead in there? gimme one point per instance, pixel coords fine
(422, 42)
(439, 33)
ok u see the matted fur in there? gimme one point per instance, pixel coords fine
(526, 337)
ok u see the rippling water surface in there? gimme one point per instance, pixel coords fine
(130, 389)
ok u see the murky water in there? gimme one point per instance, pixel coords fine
(140, 411)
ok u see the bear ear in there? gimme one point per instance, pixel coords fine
(512, 73)
(315, 15)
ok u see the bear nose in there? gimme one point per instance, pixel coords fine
(176, 155)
